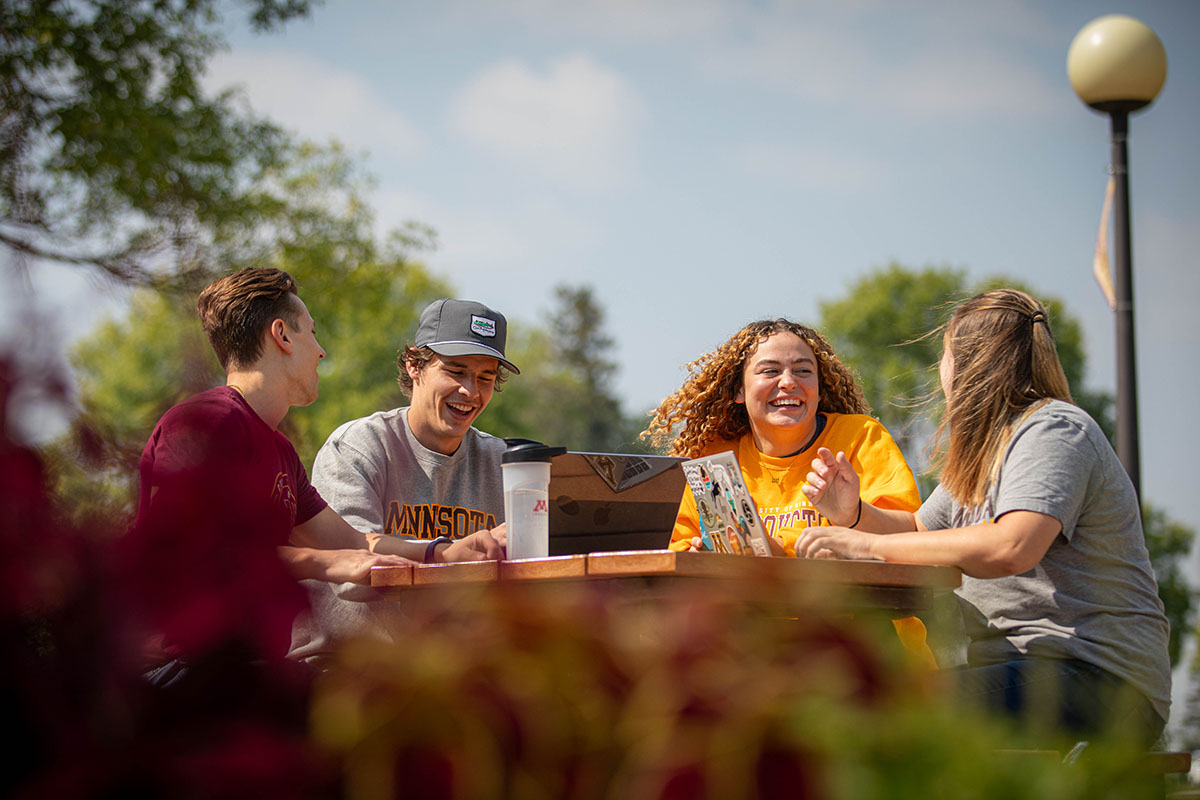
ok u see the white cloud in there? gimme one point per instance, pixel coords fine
(490, 243)
(921, 56)
(470, 240)
(970, 81)
(316, 99)
(912, 58)
(623, 19)
(811, 167)
(575, 124)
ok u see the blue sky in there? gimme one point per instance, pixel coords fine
(706, 162)
(702, 163)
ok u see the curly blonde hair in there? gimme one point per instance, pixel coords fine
(705, 404)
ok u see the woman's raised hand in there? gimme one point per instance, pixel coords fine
(833, 487)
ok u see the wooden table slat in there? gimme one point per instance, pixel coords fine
(871, 573)
(382, 577)
(716, 565)
(460, 572)
(650, 563)
(631, 562)
(544, 568)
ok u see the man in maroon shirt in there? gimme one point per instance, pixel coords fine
(227, 519)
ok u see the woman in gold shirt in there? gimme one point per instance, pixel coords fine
(775, 394)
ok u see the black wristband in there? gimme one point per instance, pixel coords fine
(429, 548)
(857, 519)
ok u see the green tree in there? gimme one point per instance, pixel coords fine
(880, 328)
(1170, 543)
(128, 373)
(364, 298)
(564, 394)
(111, 155)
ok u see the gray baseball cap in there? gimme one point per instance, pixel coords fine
(463, 328)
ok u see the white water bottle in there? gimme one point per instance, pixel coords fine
(525, 467)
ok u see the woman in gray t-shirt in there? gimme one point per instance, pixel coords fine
(1059, 601)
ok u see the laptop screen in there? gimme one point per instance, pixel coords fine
(611, 501)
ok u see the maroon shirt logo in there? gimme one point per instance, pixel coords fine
(283, 495)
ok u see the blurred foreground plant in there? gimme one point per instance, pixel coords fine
(579, 691)
(499, 690)
(71, 654)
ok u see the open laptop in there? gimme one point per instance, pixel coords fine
(729, 521)
(601, 502)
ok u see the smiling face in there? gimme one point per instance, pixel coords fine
(448, 394)
(306, 354)
(781, 392)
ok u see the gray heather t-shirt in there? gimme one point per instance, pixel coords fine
(375, 473)
(1093, 595)
(380, 479)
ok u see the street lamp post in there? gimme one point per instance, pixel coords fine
(1117, 65)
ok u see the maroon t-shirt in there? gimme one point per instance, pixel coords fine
(220, 491)
(217, 432)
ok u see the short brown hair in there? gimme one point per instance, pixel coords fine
(420, 357)
(705, 406)
(236, 309)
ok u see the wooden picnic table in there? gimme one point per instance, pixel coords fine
(899, 589)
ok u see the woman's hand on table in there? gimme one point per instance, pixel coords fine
(833, 486)
(834, 542)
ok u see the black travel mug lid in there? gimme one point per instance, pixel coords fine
(525, 450)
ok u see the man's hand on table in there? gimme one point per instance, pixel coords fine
(487, 545)
(354, 566)
(337, 566)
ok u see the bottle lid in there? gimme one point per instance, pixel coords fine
(525, 450)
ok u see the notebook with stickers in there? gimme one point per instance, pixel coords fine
(729, 521)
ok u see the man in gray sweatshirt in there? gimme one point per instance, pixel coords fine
(417, 472)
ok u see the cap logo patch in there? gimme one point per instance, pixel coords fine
(482, 326)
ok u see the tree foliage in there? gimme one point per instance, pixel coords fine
(879, 329)
(111, 154)
(882, 328)
(564, 394)
(1169, 543)
(365, 300)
